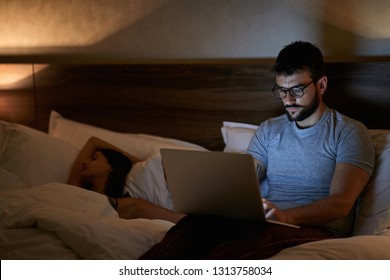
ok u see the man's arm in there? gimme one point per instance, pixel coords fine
(347, 183)
(260, 168)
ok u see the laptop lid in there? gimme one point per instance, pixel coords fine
(213, 183)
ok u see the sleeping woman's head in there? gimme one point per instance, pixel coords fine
(105, 172)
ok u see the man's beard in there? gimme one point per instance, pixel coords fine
(305, 111)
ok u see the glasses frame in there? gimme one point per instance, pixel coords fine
(278, 90)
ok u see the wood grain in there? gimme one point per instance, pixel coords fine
(186, 101)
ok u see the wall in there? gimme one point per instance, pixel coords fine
(128, 30)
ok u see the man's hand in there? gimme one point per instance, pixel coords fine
(272, 212)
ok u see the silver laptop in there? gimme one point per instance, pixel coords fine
(213, 183)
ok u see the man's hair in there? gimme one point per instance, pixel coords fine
(299, 56)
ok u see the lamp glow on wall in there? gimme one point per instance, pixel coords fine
(132, 29)
(43, 24)
(12, 74)
(368, 19)
(17, 93)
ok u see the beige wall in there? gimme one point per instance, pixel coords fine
(125, 30)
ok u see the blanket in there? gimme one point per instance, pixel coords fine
(72, 223)
(208, 237)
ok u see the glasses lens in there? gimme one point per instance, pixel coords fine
(296, 92)
(278, 92)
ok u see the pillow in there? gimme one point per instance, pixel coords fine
(146, 180)
(237, 136)
(33, 156)
(373, 209)
(141, 146)
(9, 180)
(4, 136)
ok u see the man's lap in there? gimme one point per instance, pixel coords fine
(206, 237)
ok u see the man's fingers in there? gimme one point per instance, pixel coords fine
(270, 213)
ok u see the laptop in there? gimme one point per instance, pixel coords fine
(213, 183)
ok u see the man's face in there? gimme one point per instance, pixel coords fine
(299, 109)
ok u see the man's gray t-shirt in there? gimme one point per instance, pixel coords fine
(300, 162)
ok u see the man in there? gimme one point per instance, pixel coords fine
(313, 162)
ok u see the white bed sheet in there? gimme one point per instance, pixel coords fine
(363, 247)
(70, 223)
(33, 244)
(59, 221)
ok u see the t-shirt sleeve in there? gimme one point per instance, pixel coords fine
(356, 147)
(257, 149)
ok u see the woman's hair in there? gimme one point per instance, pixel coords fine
(298, 56)
(121, 166)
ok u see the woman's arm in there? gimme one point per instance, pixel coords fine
(132, 208)
(91, 146)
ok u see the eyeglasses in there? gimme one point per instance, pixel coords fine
(296, 92)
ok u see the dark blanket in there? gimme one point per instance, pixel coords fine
(204, 237)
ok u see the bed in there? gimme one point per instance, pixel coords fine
(49, 112)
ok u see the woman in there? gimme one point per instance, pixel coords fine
(103, 168)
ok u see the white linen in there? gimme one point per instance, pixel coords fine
(146, 180)
(237, 136)
(59, 221)
(35, 157)
(33, 244)
(373, 209)
(363, 247)
(9, 180)
(140, 145)
(83, 220)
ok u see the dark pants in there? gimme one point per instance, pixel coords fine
(205, 237)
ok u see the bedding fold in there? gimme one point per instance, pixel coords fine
(83, 220)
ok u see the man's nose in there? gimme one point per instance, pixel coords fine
(288, 100)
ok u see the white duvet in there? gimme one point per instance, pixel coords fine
(59, 221)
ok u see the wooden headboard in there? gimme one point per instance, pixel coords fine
(187, 101)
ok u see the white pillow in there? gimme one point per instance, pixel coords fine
(5, 127)
(237, 136)
(141, 146)
(33, 156)
(9, 180)
(373, 210)
(146, 180)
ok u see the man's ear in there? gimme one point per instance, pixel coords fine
(322, 84)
